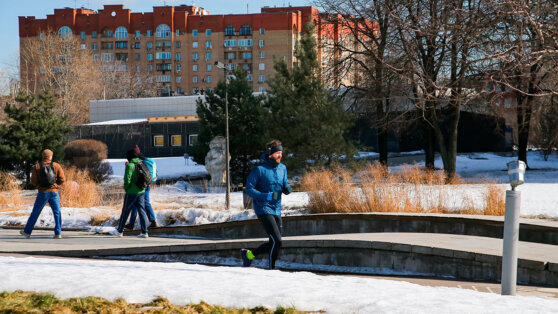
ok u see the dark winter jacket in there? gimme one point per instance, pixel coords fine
(264, 178)
(60, 178)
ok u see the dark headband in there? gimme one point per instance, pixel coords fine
(274, 149)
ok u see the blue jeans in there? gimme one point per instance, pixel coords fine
(148, 209)
(133, 202)
(53, 200)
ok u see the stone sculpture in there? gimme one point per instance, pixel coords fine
(215, 161)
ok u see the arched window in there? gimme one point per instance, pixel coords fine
(121, 33)
(65, 32)
(245, 30)
(163, 31)
(229, 30)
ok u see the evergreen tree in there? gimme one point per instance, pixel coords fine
(245, 124)
(306, 117)
(31, 126)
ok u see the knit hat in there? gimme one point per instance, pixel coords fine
(273, 149)
(137, 149)
(46, 154)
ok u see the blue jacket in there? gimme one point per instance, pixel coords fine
(263, 179)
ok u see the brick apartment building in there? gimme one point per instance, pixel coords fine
(180, 44)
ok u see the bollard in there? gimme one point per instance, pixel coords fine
(511, 239)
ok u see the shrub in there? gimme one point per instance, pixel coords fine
(88, 155)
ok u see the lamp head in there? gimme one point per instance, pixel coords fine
(516, 172)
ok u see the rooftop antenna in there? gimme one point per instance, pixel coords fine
(247, 8)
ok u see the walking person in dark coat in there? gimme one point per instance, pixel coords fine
(265, 184)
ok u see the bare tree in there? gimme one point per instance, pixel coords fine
(61, 65)
(524, 46)
(368, 52)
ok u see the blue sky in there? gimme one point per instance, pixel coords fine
(11, 9)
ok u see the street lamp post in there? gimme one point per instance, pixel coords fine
(220, 65)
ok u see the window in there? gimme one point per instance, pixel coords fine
(93, 34)
(158, 140)
(138, 35)
(163, 31)
(178, 68)
(208, 44)
(230, 56)
(122, 57)
(82, 35)
(149, 33)
(137, 45)
(261, 44)
(94, 46)
(178, 56)
(177, 44)
(208, 67)
(231, 66)
(177, 32)
(208, 56)
(245, 43)
(163, 43)
(107, 45)
(65, 32)
(195, 68)
(208, 32)
(261, 66)
(261, 79)
(179, 79)
(107, 57)
(262, 89)
(194, 33)
(249, 78)
(229, 30)
(195, 56)
(149, 57)
(150, 69)
(95, 57)
(163, 78)
(195, 90)
(245, 30)
(176, 140)
(195, 78)
(138, 68)
(138, 57)
(262, 31)
(121, 44)
(262, 54)
(149, 45)
(192, 139)
(247, 67)
(164, 67)
(163, 55)
(208, 79)
(246, 55)
(230, 43)
(107, 33)
(194, 44)
(121, 33)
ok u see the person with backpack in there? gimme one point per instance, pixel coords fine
(136, 177)
(265, 184)
(48, 177)
(152, 166)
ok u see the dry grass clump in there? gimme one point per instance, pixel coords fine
(11, 199)
(79, 190)
(413, 190)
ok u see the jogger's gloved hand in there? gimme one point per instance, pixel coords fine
(288, 190)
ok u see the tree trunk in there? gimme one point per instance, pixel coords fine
(523, 126)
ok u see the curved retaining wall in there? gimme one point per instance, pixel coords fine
(545, 232)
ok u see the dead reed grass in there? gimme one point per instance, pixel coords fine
(412, 190)
(11, 198)
(79, 190)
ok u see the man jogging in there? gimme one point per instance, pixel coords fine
(47, 176)
(265, 185)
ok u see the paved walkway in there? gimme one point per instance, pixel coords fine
(41, 242)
